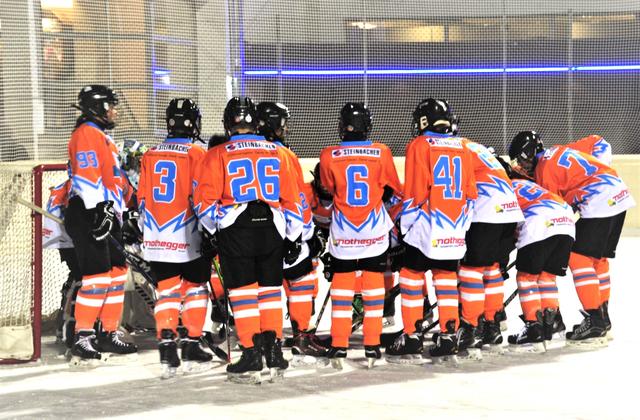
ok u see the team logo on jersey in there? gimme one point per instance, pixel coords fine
(243, 145)
(511, 206)
(356, 151)
(453, 142)
(355, 242)
(559, 221)
(622, 195)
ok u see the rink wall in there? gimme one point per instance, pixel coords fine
(628, 167)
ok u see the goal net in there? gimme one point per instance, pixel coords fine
(30, 278)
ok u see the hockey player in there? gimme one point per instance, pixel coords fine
(356, 173)
(171, 240)
(300, 276)
(496, 212)
(249, 203)
(602, 198)
(544, 241)
(93, 219)
(438, 192)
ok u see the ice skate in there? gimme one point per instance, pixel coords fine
(445, 350)
(591, 332)
(247, 369)
(372, 353)
(468, 342)
(406, 349)
(307, 350)
(607, 320)
(194, 358)
(501, 318)
(272, 350)
(552, 324)
(83, 352)
(169, 360)
(530, 339)
(114, 348)
(492, 337)
(336, 356)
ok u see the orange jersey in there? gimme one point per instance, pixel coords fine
(595, 146)
(584, 182)
(93, 166)
(321, 212)
(307, 216)
(167, 175)
(496, 202)
(53, 234)
(355, 173)
(244, 169)
(439, 188)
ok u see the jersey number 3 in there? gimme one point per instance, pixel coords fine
(166, 192)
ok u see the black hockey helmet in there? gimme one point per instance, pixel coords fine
(184, 118)
(94, 102)
(524, 148)
(216, 140)
(355, 121)
(434, 115)
(273, 120)
(240, 113)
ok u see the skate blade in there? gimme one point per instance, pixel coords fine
(471, 354)
(609, 335)
(337, 363)
(494, 349)
(250, 378)
(116, 359)
(447, 361)
(527, 348)
(371, 361)
(554, 344)
(168, 372)
(79, 364)
(276, 374)
(189, 367)
(589, 343)
(407, 359)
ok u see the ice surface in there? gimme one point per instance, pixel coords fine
(564, 383)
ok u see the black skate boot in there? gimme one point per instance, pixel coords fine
(531, 338)
(446, 347)
(590, 332)
(194, 357)
(607, 320)
(272, 350)
(306, 349)
(501, 318)
(406, 349)
(83, 351)
(335, 355)
(372, 353)
(491, 333)
(469, 342)
(552, 323)
(168, 348)
(111, 343)
(248, 368)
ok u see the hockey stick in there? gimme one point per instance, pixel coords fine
(226, 317)
(131, 259)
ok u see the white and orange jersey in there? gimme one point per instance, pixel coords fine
(584, 182)
(93, 165)
(496, 202)
(595, 146)
(439, 189)
(248, 168)
(355, 173)
(546, 214)
(320, 210)
(167, 219)
(54, 235)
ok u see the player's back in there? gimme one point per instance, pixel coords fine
(167, 176)
(595, 146)
(583, 182)
(356, 173)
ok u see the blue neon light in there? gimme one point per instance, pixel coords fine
(437, 71)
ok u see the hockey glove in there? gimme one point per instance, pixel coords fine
(131, 233)
(103, 218)
(209, 246)
(292, 250)
(316, 244)
(326, 262)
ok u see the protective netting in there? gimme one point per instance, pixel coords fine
(504, 65)
(17, 263)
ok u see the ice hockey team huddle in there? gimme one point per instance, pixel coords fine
(226, 230)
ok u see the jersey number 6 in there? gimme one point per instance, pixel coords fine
(244, 173)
